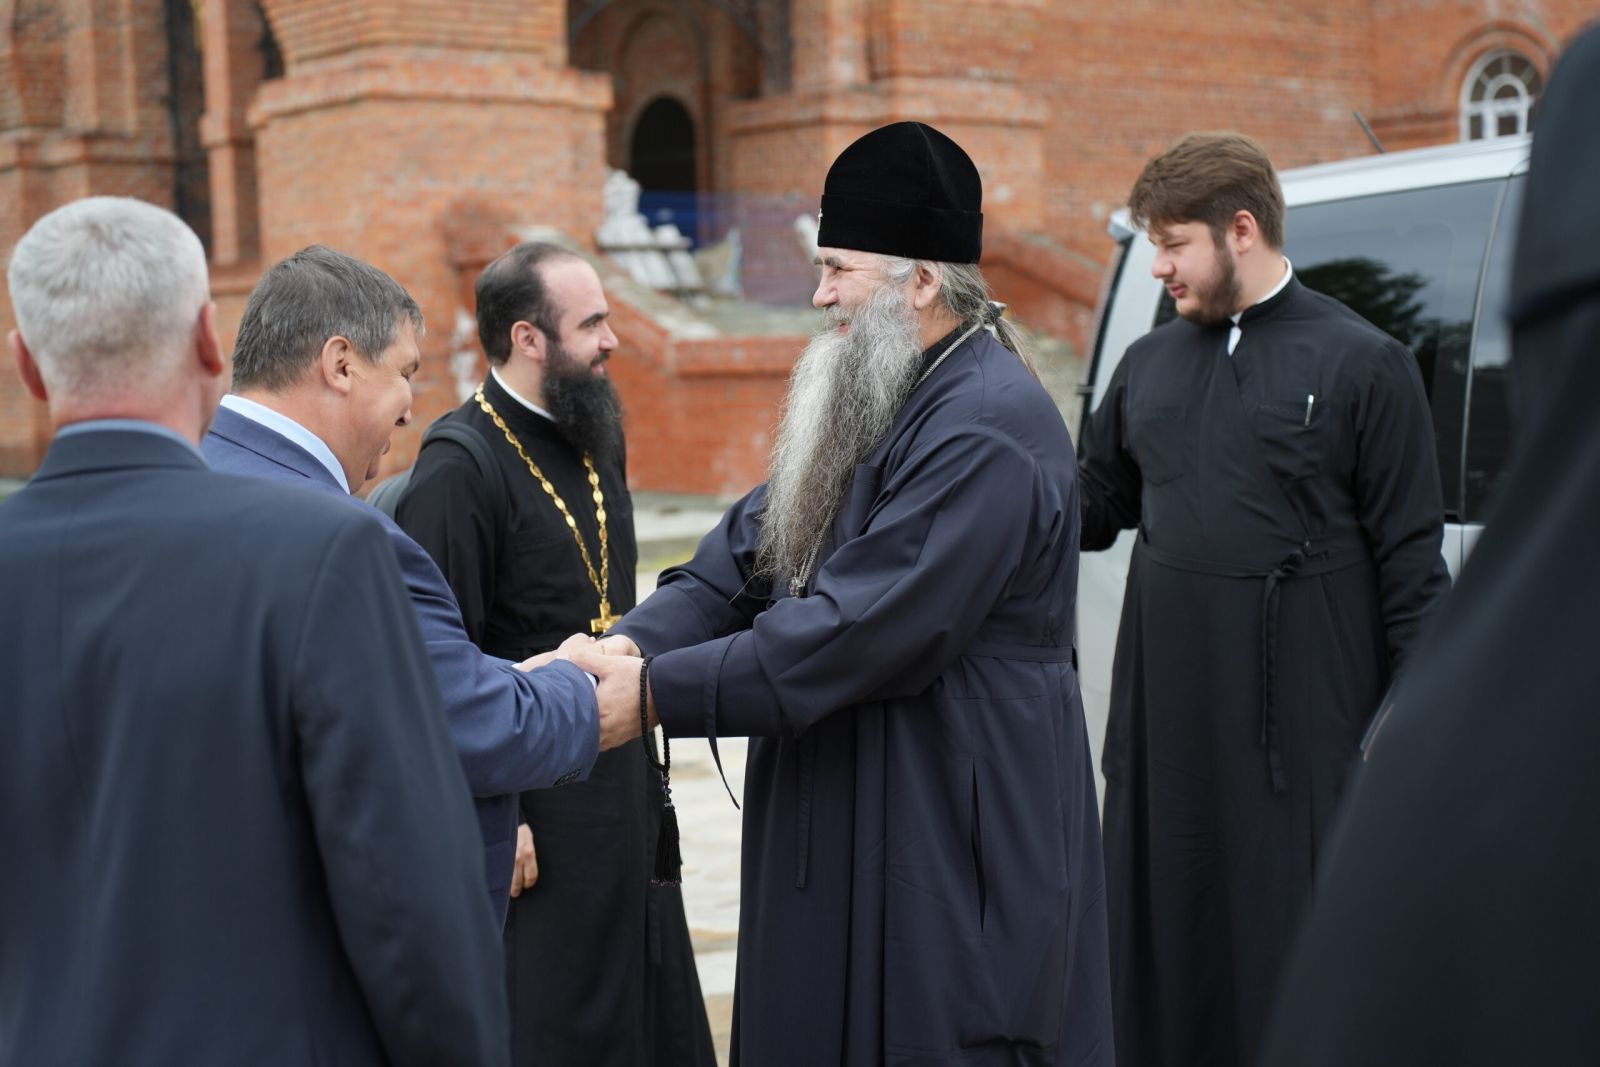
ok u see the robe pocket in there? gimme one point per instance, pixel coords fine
(1016, 990)
(1290, 435)
(1159, 436)
(977, 890)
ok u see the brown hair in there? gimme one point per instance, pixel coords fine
(1210, 177)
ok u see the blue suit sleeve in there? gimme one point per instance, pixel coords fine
(514, 730)
(892, 607)
(391, 815)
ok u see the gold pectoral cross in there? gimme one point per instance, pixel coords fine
(606, 620)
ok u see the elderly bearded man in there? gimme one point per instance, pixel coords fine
(890, 618)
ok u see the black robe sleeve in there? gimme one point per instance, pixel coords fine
(1398, 499)
(892, 607)
(1108, 478)
(446, 509)
(713, 594)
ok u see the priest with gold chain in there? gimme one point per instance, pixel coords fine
(599, 964)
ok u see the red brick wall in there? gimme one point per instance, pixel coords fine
(700, 413)
(83, 111)
(1124, 81)
(1422, 50)
(393, 113)
(693, 53)
(232, 52)
(310, 30)
(374, 147)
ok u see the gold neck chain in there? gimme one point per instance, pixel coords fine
(602, 580)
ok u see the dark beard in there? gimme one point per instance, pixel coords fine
(586, 408)
(1220, 300)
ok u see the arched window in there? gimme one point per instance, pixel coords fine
(1497, 97)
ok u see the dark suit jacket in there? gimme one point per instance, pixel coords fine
(233, 825)
(514, 730)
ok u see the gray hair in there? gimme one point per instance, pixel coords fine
(107, 291)
(966, 295)
(300, 303)
(843, 396)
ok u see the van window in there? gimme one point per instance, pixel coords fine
(1409, 263)
(1085, 392)
(1488, 404)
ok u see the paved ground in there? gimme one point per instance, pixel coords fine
(709, 825)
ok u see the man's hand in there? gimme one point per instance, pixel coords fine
(525, 872)
(617, 645)
(565, 651)
(617, 694)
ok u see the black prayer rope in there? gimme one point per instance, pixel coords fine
(664, 765)
(669, 853)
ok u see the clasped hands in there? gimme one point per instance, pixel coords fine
(616, 663)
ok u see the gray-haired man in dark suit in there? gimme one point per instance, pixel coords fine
(234, 825)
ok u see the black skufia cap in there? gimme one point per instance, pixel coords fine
(904, 190)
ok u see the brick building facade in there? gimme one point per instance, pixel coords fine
(423, 135)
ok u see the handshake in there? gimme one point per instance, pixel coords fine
(615, 663)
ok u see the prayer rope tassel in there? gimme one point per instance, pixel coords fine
(669, 853)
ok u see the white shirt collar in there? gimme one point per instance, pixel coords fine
(283, 424)
(1237, 331)
(519, 398)
(1288, 272)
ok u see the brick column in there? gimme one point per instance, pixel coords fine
(83, 112)
(859, 64)
(830, 44)
(231, 49)
(391, 111)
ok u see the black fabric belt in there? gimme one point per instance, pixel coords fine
(1307, 561)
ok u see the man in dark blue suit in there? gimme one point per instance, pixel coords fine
(235, 828)
(322, 376)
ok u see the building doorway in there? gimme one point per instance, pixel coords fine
(661, 158)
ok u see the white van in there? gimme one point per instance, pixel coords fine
(1419, 243)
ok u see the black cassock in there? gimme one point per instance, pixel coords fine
(598, 959)
(1455, 919)
(1289, 514)
(921, 878)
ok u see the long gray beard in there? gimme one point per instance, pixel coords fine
(843, 395)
